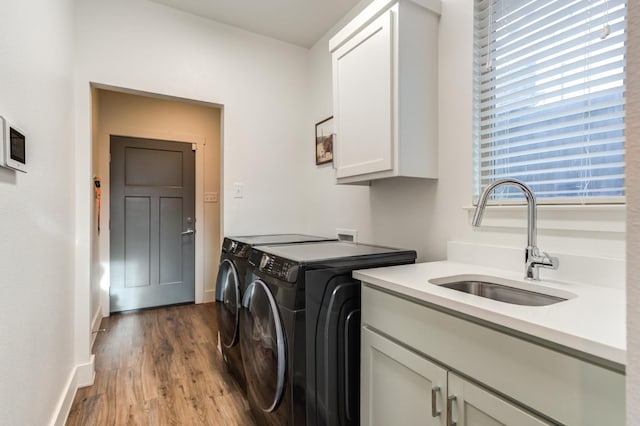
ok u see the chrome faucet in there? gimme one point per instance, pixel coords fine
(533, 259)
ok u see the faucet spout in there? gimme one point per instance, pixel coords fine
(531, 206)
(533, 259)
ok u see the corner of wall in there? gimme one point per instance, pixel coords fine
(81, 376)
(209, 295)
(632, 159)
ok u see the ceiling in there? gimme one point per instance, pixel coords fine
(300, 22)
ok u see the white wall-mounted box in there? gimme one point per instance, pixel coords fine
(14, 146)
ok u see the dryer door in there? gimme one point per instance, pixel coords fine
(228, 299)
(263, 346)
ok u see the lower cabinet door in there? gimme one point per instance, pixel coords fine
(470, 405)
(399, 387)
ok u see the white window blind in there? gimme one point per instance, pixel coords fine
(549, 97)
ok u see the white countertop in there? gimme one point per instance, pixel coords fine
(592, 322)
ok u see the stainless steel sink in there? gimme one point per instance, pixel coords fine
(502, 293)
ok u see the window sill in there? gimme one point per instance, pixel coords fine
(590, 218)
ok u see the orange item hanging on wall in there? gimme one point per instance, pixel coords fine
(98, 189)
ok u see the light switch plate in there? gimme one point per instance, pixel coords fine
(238, 190)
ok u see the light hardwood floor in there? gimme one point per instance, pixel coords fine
(160, 367)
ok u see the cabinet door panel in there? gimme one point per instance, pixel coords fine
(474, 406)
(397, 385)
(363, 106)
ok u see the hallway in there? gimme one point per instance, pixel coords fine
(160, 367)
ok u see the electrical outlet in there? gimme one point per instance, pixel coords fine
(350, 235)
(210, 197)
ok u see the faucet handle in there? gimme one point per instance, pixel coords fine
(535, 260)
(549, 261)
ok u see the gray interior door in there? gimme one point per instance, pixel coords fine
(152, 223)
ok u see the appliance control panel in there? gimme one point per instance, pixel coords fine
(235, 248)
(277, 267)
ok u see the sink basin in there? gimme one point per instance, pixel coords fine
(490, 289)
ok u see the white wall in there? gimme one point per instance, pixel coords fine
(261, 83)
(633, 220)
(329, 206)
(392, 212)
(270, 111)
(273, 95)
(568, 232)
(166, 119)
(423, 214)
(97, 271)
(36, 212)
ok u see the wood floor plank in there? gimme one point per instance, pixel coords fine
(160, 367)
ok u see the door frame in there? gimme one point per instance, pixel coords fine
(105, 234)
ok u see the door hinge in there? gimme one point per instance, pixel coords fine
(194, 147)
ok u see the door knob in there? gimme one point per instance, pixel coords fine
(188, 232)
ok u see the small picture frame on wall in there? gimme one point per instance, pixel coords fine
(324, 141)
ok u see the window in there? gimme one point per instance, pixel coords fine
(549, 98)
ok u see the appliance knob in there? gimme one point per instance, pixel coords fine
(264, 262)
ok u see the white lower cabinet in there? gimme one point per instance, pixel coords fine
(471, 405)
(422, 365)
(401, 387)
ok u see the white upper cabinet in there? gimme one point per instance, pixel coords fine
(385, 92)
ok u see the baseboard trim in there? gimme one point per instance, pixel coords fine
(95, 325)
(85, 373)
(209, 296)
(81, 376)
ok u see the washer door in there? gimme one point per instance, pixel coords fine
(228, 297)
(263, 346)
